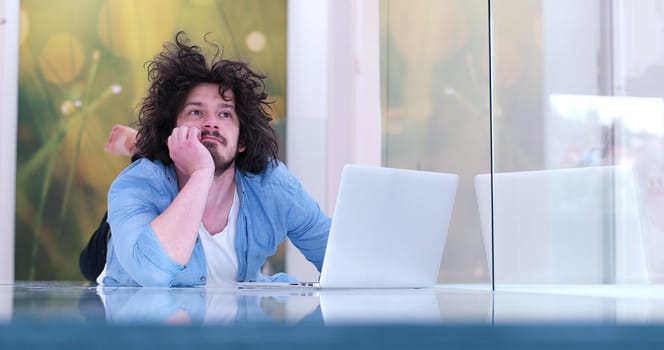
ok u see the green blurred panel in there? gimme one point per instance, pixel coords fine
(80, 72)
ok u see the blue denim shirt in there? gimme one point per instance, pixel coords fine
(273, 205)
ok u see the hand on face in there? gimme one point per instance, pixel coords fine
(187, 151)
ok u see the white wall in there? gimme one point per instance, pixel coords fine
(9, 28)
(333, 98)
(571, 44)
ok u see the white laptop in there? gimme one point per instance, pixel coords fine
(388, 229)
(565, 226)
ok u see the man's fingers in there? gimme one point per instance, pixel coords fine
(194, 134)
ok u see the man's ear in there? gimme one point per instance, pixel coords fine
(241, 148)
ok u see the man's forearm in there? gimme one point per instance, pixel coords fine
(177, 227)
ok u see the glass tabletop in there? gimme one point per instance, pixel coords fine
(78, 302)
(70, 315)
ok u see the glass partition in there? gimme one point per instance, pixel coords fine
(579, 120)
(436, 110)
(561, 166)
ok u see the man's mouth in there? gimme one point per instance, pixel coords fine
(212, 136)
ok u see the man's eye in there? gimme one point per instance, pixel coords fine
(225, 115)
(195, 112)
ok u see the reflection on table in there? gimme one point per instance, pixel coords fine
(444, 304)
(68, 315)
(291, 306)
(35, 301)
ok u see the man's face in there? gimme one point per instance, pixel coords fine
(215, 116)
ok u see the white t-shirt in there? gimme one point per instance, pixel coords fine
(220, 249)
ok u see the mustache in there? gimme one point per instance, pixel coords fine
(213, 133)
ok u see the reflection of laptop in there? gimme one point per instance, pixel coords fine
(412, 306)
(380, 306)
(578, 225)
(388, 230)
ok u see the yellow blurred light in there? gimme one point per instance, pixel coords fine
(256, 41)
(62, 58)
(24, 26)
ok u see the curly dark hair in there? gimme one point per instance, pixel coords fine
(182, 66)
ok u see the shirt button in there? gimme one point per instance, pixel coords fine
(202, 278)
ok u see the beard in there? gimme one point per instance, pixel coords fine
(220, 164)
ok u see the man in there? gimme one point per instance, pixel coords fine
(208, 201)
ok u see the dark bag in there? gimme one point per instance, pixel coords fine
(93, 257)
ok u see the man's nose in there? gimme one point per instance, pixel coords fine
(210, 121)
